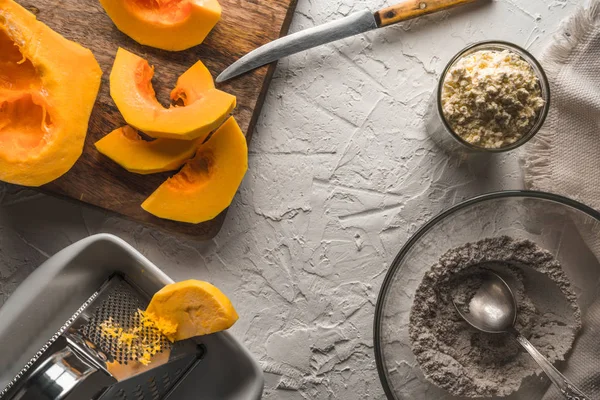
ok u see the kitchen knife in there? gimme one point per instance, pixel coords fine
(360, 22)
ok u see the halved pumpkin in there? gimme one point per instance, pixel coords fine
(203, 108)
(165, 24)
(206, 184)
(128, 149)
(48, 86)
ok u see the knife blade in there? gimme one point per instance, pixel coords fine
(354, 24)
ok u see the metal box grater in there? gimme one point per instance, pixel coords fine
(77, 361)
(50, 359)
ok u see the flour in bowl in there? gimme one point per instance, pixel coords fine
(470, 363)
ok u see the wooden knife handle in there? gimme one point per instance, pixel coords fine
(414, 8)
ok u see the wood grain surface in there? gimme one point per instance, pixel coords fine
(409, 9)
(246, 25)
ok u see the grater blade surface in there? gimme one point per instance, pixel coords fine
(155, 384)
(120, 304)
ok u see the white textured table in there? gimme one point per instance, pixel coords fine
(341, 174)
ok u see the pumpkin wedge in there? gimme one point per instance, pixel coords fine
(195, 307)
(165, 24)
(48, 86)
(128, 149)
(206, 184)
(200, 107)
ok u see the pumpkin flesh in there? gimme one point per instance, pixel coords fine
(165, 24)
(48, 86)
(199, 108)
(206, 184)
(16, 72)
(25, 126)
(194, 307)
(128, 149)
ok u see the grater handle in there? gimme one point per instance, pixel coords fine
(57, 378)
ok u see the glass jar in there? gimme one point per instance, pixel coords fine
(441, 131)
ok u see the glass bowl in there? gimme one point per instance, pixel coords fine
(566, 228)
(441, 130)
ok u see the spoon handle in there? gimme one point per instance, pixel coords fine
(565, 386)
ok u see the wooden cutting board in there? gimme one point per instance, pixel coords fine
(245, 25)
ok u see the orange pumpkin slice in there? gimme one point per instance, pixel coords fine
(194, 307)
(206, 184)
(128, 149)
(165, 24)
(203, 108)
(48, 86)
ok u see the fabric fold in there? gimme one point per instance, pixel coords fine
(564, 158)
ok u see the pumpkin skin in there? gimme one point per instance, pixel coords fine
(199, 109)
(166, 24)
(206, 185)
(127, 148)
(48, 86)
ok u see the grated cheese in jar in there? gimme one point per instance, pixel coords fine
(491, 98)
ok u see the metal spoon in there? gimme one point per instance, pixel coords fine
(493, 309)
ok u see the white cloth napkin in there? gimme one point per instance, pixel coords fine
(564, 158)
